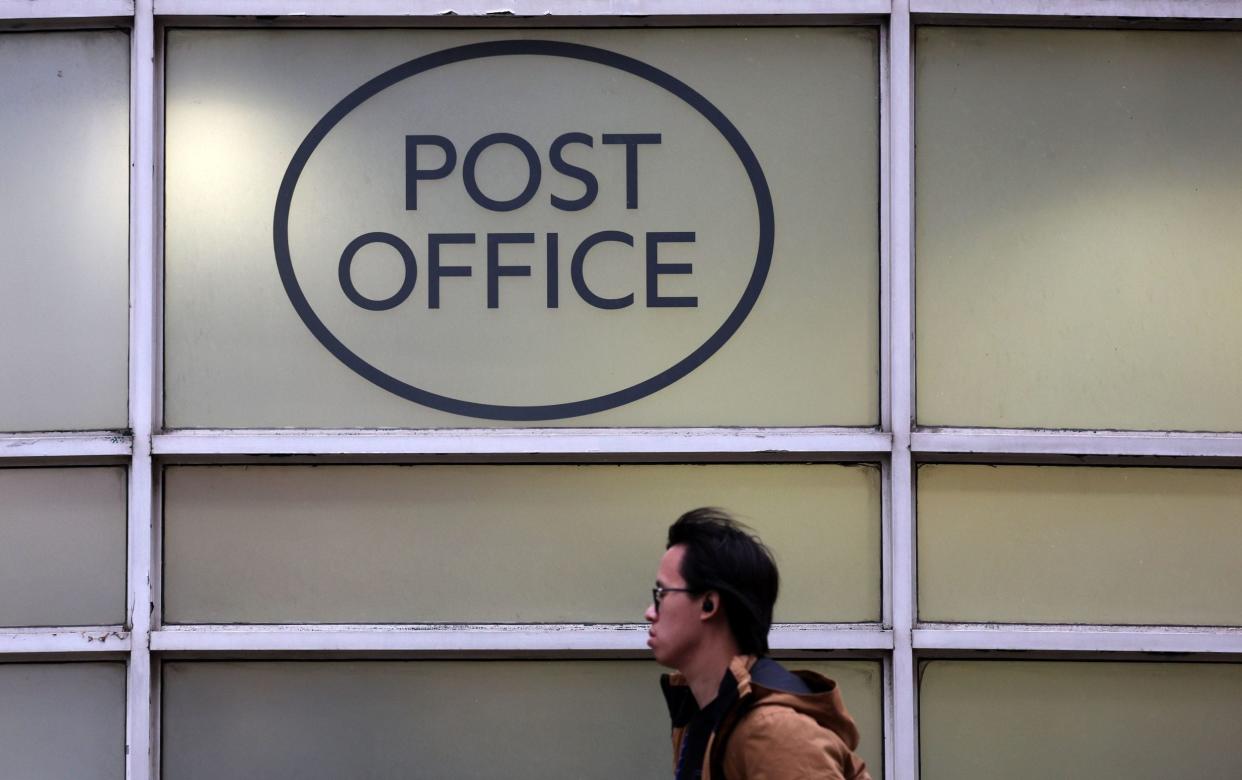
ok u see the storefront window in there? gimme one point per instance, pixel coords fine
(1077, 229)
(504, 544)
(1063, 544)
(1029, 719)
(589, 228)
(64, 219)
(62, 546)
(538, 719)
(62, 720)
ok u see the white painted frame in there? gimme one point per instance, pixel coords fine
(65, 9)
(709, 443)
(140, 727)
(1154, 444)
(899, 641)
(1108, 9)
(16, 447)
(557, 639)
(901, 731)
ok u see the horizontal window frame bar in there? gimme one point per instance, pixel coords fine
(1078, 638)
(992, 441)
(84, 640)
(513, 9)
(501, 22)
(66, 9)
(1114, 9)
(713, 444)
(470, 10)
(88, 444)
(486, 639)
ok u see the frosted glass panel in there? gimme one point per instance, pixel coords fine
(62, 547)
(62, 721)
(1079, 721)
(435, 719)
(1077, 229)
(64, 218)
(496, 311)
(509, 544)
(1056, 544)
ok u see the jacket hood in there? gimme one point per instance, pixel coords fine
(764, 683)
(821, 700)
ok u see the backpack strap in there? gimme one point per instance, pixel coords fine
(725, 732)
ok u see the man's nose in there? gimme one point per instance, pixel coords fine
(650, 614)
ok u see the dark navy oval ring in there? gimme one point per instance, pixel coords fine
(574, 51)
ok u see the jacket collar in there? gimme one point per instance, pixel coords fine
(762, 682)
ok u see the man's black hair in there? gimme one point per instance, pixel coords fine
(723, 555)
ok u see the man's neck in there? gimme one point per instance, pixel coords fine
(707, 669)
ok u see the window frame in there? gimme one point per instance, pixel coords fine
(900, 641)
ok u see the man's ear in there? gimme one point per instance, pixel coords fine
(711, 603)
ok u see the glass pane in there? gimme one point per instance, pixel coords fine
(62, 547)
(62, 720)
(1057, 544)
(64, 216)
(1077, 229)
(508, 544)
(1079, 721)
(511, 149)
(382, 719)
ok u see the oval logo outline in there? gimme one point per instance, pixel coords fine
(525, 413)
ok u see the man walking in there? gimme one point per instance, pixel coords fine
(737, 714)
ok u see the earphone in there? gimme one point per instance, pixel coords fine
(708, 606)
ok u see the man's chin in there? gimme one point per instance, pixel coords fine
(659, 657)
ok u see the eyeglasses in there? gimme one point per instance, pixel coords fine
(657, 594)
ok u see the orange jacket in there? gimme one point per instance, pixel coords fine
(773, 734)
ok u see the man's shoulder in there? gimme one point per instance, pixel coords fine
(778, 741)
(791, 724)
(779, 723)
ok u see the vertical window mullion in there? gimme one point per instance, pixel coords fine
(138, 723)
(902, 728)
